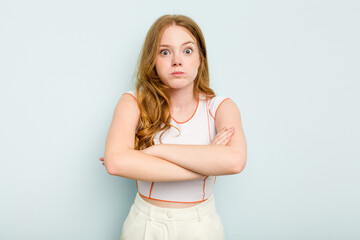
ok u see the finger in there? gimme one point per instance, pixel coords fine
(232, 133)
(226, 141)
(229, 130)
(224, 129)
(101, 158)
(222, 137)
(219, 138)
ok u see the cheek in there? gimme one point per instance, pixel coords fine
(195, 60)
(195, 63)
(160, 66)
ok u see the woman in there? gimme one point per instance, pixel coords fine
(174, 136)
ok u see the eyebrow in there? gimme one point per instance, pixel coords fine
(165, 45)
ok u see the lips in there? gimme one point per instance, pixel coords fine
(177, 73)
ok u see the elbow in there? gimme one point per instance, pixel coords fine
(112, 164)
(111, 170)
(238, 162)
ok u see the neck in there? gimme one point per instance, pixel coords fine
(182, 99)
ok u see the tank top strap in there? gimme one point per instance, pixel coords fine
(215, 103)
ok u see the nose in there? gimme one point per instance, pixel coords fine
(176, 60)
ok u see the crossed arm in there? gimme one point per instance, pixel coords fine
(173, 162)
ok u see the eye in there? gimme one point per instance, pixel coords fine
(188, 50)
(164, 52)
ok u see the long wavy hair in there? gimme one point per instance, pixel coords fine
(152, 95)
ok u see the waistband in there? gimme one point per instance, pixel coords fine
(178, 214)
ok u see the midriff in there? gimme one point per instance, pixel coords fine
(169, 204)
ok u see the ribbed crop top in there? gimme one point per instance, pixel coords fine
(198, 130)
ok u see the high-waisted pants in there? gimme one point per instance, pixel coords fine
(149, 222)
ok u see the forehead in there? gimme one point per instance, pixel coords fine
(176, 35)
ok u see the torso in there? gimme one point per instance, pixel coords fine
(195, 117)
(181, 117)
(169, 204)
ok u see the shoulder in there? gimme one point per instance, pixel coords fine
(227, 106)
(131, 93)
(215, 103)
(227, 114)
(128, 104)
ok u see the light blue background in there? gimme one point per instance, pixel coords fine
(292, 67)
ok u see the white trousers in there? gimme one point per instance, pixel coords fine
(149, 222)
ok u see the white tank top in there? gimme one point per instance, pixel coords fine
(199, 129)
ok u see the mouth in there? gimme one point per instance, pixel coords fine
(177, 73)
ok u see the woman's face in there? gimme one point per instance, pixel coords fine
(178, 58)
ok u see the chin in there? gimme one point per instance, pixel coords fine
(178, 83)
(176, 87)
(182, 86)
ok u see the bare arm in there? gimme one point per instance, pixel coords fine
(210, 159)
(141, 162)
(121, 159)
(141, 166)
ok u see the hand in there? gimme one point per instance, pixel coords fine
(223, 137)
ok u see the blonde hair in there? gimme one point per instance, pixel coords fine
(152, 95)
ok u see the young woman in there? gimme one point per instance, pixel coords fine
(174, 136)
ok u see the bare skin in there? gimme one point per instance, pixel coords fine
(169, 204)
(221, 138)
(177, 64)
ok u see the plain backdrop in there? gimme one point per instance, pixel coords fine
(292, 67)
